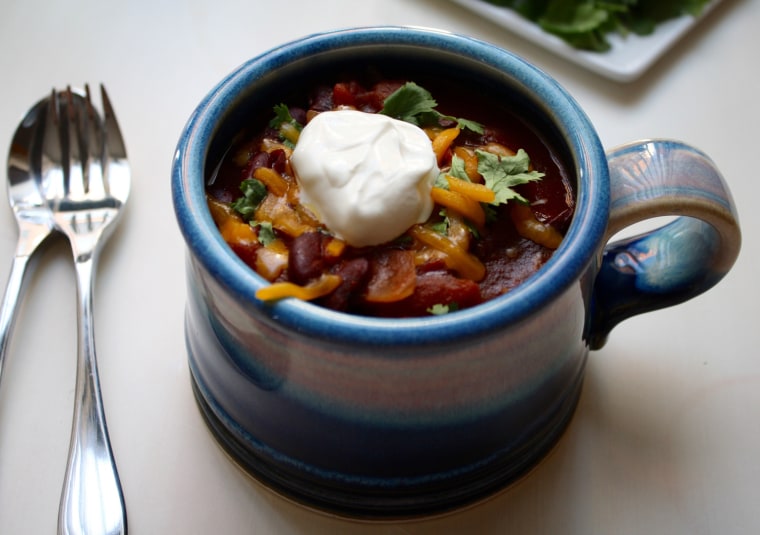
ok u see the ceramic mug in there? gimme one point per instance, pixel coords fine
(377, 418)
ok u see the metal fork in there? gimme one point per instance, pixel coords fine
(86, 202)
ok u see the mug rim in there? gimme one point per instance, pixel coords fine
(565, 267)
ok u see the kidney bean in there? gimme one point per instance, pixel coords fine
(299, 114)
(306, 261)
(321, 99)
(260, 159)
(226, 186)
(355, 273)
(278, 160)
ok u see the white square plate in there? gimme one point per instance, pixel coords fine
(628, 58)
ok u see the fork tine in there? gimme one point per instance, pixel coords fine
(117, 169)
(52, 149)
(74, 146)
(94, 142)
(114, 140)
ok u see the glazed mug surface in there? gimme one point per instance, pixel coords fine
(386, 418)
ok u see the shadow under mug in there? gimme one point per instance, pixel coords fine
(389, 418)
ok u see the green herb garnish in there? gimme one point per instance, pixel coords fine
(440, 309)
(254, 192)
(265, 233)
(442, 227)
(502, 173)
(288, 128)
(585, 24)
(457, 169)
(414, 104)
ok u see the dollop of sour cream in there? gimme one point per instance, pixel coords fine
(366, 176)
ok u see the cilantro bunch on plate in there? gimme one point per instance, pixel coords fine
(585, 24)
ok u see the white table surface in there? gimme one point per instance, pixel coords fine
(667, 435)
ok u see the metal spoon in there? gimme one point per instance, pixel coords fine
(33, 217)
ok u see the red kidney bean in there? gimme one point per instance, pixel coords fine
(355, 273)
(321, 99)
(278, 160)
(306, 261)
(298, 114)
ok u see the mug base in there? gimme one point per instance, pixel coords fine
(390, 503)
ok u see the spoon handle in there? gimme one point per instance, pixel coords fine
(8, 309)
(31, 235)
(92, 501)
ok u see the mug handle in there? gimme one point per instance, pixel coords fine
(673, 263)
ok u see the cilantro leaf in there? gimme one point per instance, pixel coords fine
(442, 227)
(501, 174)
(282, 116)
(254, 192)
(287, 126)
(467, 124)
(414, 104)
(458, 169)
(585, 24)
(441, 181)
(266, 233)
(440, 309)
(407, 102)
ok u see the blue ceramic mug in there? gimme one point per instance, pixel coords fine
(377, 418)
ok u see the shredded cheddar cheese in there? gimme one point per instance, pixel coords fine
(443, 141)
(280, 290)
(236, 231)
(461, 204)
(456, 258)
(471, 190)
(335, 247)
(283, 216)
(529, 227)
(220, 211)
(272, 180)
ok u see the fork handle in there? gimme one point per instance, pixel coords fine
(92, 501)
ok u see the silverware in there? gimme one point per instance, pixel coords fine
(86, 199)
(33, 217)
